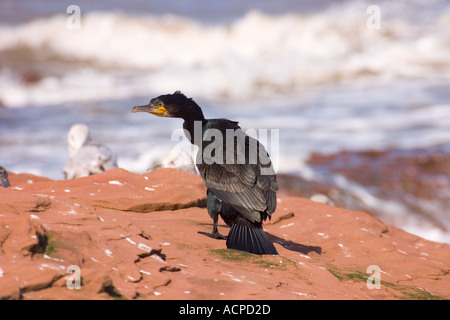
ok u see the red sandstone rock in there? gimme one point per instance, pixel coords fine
(135, 237)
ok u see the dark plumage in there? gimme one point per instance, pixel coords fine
(236, 169)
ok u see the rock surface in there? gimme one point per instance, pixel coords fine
(132, 236)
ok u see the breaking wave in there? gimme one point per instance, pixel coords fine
(117, 55)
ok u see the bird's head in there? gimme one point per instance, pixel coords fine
(78, 137)
(175, 105)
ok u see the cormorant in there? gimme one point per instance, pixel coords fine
(241, 184)
(87, 157)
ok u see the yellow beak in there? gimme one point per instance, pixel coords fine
(150, 109)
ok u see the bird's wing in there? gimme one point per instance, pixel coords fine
(244, 186)
(90, 159)
(101, 155)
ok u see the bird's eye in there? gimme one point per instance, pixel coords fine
(156, 103)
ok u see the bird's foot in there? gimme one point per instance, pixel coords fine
(214, 235)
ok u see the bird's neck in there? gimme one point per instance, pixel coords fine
(194, 130)
(194, 122)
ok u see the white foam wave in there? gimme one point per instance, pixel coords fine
(115, 55)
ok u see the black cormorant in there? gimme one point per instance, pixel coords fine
(241, 184)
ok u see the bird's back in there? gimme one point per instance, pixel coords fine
(233, 164)
(90, 159)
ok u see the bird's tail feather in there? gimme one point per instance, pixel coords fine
(250, 238)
